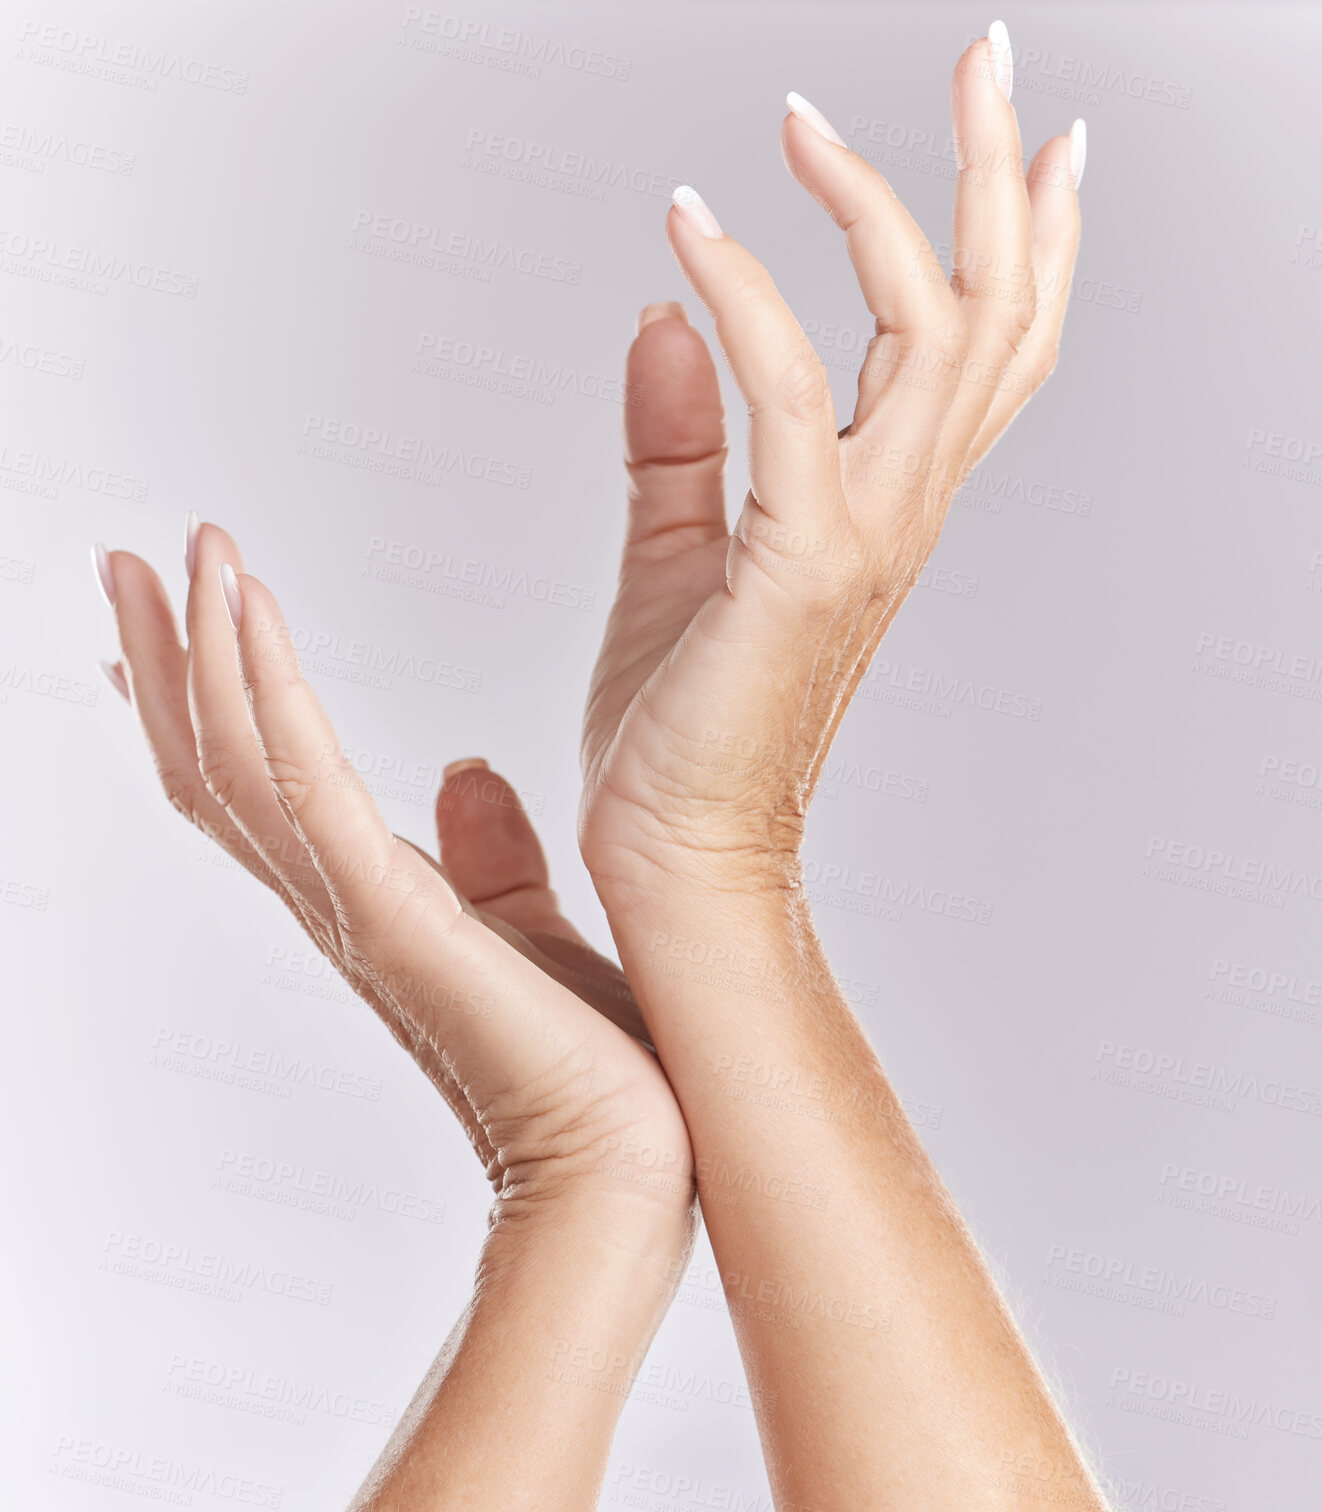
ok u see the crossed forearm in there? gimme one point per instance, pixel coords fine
(886, 1369)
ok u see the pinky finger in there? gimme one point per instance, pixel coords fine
(1053, 180)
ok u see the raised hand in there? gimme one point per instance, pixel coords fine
(730, 657)
(890, 1371)
(528, 1033)
(530, 1036)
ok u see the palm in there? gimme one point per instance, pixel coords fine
(531, 1036)
(684, 679)
(729, 660)
(495, 866)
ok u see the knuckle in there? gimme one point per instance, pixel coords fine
(217, 767)
(180, 786)
(1004, 302)
(751, 290)
(804, 388)
(1021, 312)
(293, 784)
(941, 346)
(948, 339)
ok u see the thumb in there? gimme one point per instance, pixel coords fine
(491, 852)
(674, 434)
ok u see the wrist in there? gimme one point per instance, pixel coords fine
(729, 852)
(602, 1266)
(521, 1406)
(716, 926)
(623, 1228)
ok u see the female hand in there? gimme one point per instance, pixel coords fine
(529, 1034)
(891, 1371)
(730, 658)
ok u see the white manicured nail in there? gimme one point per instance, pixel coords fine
(115, 678)
(229, 586)
(1078, 150)
(104, 577)
(809, 114)
(191, 527)
(1002, 59)
(693, 208)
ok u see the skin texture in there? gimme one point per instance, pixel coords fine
(886, 1371)
(705, 648)
(529, 1035)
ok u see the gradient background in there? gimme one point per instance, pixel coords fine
(1139, 563)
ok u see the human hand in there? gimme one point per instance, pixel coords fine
(530, 1035)
(729, 659)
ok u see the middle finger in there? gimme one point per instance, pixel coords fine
(992, 246)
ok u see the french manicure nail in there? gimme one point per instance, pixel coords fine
(229, 586)
(104, 576)
(465, 764)
(115, 678)
(693, 208)
(809, 114)
(1002, 58)
(1078, 150)
(191, 527)
(661, 309)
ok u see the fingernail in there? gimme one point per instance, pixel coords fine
(467, 764)
(693, 208)
(1002, 60)
(663, 309)
(191, 527)
(104, 576)
(1078, 150)
(809, 114)
(229, 586)
(115, 678)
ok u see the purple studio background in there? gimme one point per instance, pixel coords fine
(357, 283)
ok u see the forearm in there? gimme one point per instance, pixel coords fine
(519, 1408)
(888, 1371)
